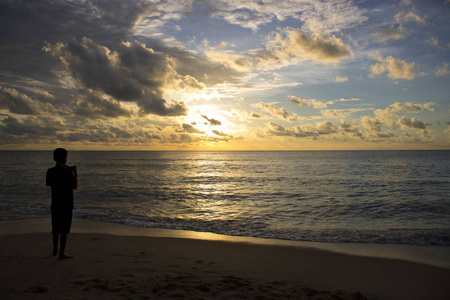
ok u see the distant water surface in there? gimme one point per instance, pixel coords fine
(397, 197)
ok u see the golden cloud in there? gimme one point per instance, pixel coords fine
(394, 67)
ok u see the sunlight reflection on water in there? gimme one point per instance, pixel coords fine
(289, 195)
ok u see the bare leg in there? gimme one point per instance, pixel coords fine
(55, 243)
(62, 255)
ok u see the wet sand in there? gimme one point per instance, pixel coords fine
(114, 261)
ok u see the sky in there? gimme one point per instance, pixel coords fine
(224, 75)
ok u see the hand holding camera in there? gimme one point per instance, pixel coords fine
(73, 169)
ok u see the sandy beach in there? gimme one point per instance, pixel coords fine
(114, 261)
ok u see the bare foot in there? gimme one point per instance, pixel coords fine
(61, 257)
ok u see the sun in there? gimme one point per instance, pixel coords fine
(206, 118)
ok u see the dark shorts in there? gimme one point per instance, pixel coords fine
(61, 220)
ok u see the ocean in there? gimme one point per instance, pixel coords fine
(390, 197)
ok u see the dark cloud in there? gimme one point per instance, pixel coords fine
(27, 24)
(34, 103)
(188, 63)
(18, 103)
(31, 127)
(211, 121)
(383, 135)
(131, 73)
(93, 106)
(87, 37)
(255, 115)
(106, 133)
(180, 139)
(189, 128)
(52, 130)
(219, 133)
(112, 135)
(324, 128)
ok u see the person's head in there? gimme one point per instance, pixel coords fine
(60, 155)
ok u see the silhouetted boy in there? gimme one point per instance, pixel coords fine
(63, 180)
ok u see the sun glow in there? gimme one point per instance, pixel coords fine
(297, 76)
(208, 118)
(205, 95)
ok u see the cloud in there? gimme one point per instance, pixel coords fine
(413, 123)
(291, 46)
(341, 79)
(324, 128)
(30, 23)
(335, 113)
(435, 42)
(256, 115)
(318, 16)
(440, 71)
(383, 35)
(373, 128)
(52, 130)
(32, 128)
(414, 107)
(321, 104)
(22, 104)
(410, 16)
(307, 102)
(212, 122)
(180, 139)
(351, 128)
(390, 118)
(278, 112)
(233, 61)
(94, 106)
(106, 61)
(298, 43)
(300, 101)
(220, 133)
(124, 132)
(132, 73)
(394, 67)
(190, 129)
(349, 99)
(386, 116)
(371, 124)
(341, 113)
(110, 135)
(187, 62)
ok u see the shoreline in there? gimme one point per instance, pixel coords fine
(118, 261)
(434, 255)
